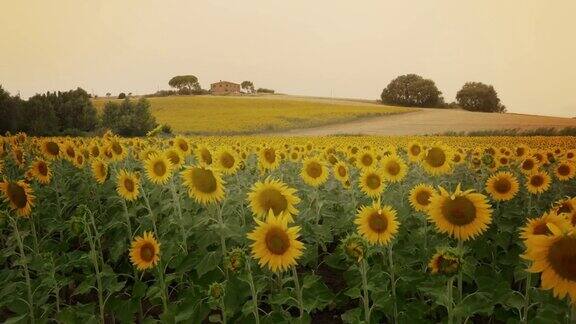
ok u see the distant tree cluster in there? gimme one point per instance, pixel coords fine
(71, 113)
(412, 90)
(128, 118)
(187, 85)
(264, 90)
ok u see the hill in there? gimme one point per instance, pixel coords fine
(248, 114)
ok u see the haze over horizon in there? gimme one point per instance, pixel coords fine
(321, 48)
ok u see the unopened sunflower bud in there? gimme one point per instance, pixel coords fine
(216, 291)
(445, 262)
(354, 247)
(235, 260)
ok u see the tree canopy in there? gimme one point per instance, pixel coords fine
(247, 86)
(412, 90)
(128, 118)
(477, 96)
(188, 83)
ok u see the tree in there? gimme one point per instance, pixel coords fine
(185, 83)
(108, 94)
(129, 118)
(247, 86)
(412, 90)
(121, 95)
(9, 112)
(477, 96)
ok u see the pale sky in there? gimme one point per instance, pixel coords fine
(525, 48)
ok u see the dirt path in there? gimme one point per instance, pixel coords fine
(434, 121)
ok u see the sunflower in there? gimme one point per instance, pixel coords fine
(420, 196)
(366, 159)
(79, 161)
(50, 149)
(341, 171)
(539, 226)
(268, 158)
(394, 169)
(117, 149)
(565, 171)
(204, 184)
(437, 160)
(158, 169)
(99, 170)
(19, 195)
(521, 151)
(462, 214)
(554, 257)
(41, 171)
(128, 185)
(273, 195)
(18, 155)
(444, 262)
(182, 145)
(226, 160)
(538, 182)
(275, 244)
(528, 165)
(145, 251)
(203, 155)
(94, 150)
(371, 182)
(377, 224)
(314, 172)
(502, 186)
(69, 151)
(414, 151)
(176, 158)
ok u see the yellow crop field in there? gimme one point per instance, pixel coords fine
(244, 115)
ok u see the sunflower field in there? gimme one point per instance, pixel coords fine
(288, 230)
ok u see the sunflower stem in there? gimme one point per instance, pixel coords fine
(450, 306)
(176, 201)
(527, 288)
(393, 283)
(298, 292)
(365, 297)
(24, 261)
(222, 238)
(96, 263)
(254, 293)
(461, 250)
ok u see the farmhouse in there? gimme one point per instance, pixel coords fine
(224, 87)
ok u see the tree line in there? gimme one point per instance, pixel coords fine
(72, 113)
(412, 90)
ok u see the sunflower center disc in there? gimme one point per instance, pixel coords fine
(129, 185)
(147, 252)
(174, 158)
(342, 171)
(423, 197)
(53, 148)
(117, 148)
(43, 169)
(415, 150)
(537, 180)
(277, 241)
(528, 165)
(541, 229)
(159, 168)
(393, 168)
(373, 181)
(367, 160)
(273, 199)
(17, 195)
(204, 180)
(227, 160)
(183, 146)
(563, 170)
(502, 186)
(460, 211)
(436, 157)
(565, 208)
(378, 223)
(314, 170)
(70, 152)
(206, 156)
(270, 155)
(562, 257)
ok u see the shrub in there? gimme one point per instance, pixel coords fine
(122, 95)
(264, 90)
(128, 118)
(412, 90)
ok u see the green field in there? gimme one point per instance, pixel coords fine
(244, 115)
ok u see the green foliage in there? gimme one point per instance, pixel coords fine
(247, 86)
(185, 83)
(477, 96)
(128, 118)
(9, 112)
(264, 90)
(412, 90)
(121, 95)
